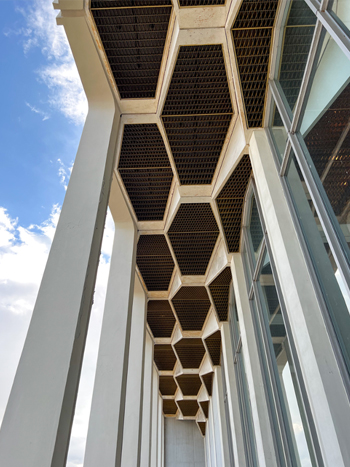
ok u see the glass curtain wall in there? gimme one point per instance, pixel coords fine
(293, 429)
(309, 129)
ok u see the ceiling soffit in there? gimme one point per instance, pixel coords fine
(201, 2)
(154, 260)
(252, 38)
(145, 170)
(133, 34)
(193, 235)
(197, 112)
(230, 203)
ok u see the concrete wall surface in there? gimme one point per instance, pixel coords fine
(184, 445)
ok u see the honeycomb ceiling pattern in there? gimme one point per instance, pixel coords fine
(154, 260)
(193, 234)
(220, 289)
(133, 34)
(230, 203)
(197, 112)
(145, 170)
(191, 305)
(191, 131)
(252, 36)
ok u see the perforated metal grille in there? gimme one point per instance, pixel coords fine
(154, 261)
(230, 203)
(190, 352)
(219, 289)
(208, 382)
(205, 407)
(189, 408)
(169, 407)
(189, 384)
(164, 357)
(145, 169)
(213, 343)
(133, 36)
(160, 318)
(201, 2)
(191, 305)
(167, 385)
(193, 235)
(197, 112)
(202, 426)
(252, 33)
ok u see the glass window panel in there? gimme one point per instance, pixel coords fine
(340, 10)
(279, 133)
(335, 295)
(246, 264)
(256, 234)
(234, 321)
(290, 397)
(298, 33)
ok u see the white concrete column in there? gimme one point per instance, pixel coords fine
(324, 385)
(131, 450)
(154, 427)
(212, 449)
(105, 432)
(221, 438)
(262, 426)
(160, 454)
(147, 404)
(37, 424)
(232, 396)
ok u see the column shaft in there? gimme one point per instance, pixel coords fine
(147, 403)
(154, 428)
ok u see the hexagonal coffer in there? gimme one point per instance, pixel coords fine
(160, 318)
(191, 305)
(190, 351)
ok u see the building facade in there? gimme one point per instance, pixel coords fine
(218, 135)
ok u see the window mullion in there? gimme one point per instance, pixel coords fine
(286, 158)
(276, 93)
(336, 31)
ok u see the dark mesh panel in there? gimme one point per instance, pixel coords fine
(191, 305)
(219, 289)
(160, 318)
(190, 352)
(213, 343)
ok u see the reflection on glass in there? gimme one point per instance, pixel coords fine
(289, 389)
(279, 133)
(246, 265)
(255, 230)
(335, 296)
(340, 10)
(234, 321)
(298, 34)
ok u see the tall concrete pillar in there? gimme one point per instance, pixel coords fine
(37, 424)
(160, 454)
(105, 433)
(219, 420)
(146, 438)
(154, 427)
(131, 449)
(323, 382)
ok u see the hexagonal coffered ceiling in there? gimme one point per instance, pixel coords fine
(193, 234)
(191, 305)
(145, 170)
(197, 112)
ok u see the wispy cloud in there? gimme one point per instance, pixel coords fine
(64, 172)
(59, 73)
(42, 113)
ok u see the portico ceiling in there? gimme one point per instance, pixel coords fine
(189, 77)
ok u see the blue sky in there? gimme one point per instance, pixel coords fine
(42, 112)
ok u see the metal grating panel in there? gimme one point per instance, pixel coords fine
(230, 203)
(189, 408)
(154, 261)
(189, 384)
(208, 382)
(160, 318)
(167, 385)
(191, 305)
(193, 235)
(190, 352)
(164, 357)
(205, 407)
(202, 426)
(169, 407)
(133, 36)
(252, 33)
(146, 171)
(220, 289)
(201, 2)
(197, 112)
(213, 343)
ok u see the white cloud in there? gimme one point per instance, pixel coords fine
(60, 73)
(34, 109)
(64, 172)
(23, 255)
